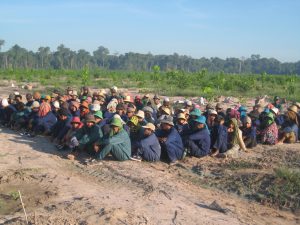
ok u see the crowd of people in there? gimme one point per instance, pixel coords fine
(146, 128)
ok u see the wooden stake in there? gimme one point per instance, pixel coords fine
(23, 207)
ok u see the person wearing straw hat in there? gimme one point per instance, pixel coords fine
(170, 141)
(148, 148)
(141, 117)
(181, 124)
(117, 144)
(156, 105)
(198, 142)
(290, 128)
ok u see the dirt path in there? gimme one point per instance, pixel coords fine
(58, 191)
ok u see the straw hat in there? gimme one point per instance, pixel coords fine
(149, 126)
(294, 109)
(166, 110)
(128, 98)
(140, 114)
(181, 116)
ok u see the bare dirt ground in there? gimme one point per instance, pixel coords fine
(58, 191)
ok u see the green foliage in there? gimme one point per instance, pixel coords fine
(286, 189)
(85, 76)
(14, 195)
(173, 82)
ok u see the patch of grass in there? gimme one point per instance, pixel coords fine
(285, 192)
(14, 195)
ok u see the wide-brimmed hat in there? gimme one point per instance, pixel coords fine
(140, 114)
(35, 104)
(196, 112)
(90, 118)
(168, 120)
(200, 119)
(116, 122)
(99, 114)
(134, 120)
(181, 116)
(128, 98)
(166, 110)
(293, 108)
(85, 104)
(76, 119)
(149, 126)
(148, 109)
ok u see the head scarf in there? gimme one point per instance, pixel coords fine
(267, 120)
(234, 114)
(292, 116)
(44, 109)
(236, 131)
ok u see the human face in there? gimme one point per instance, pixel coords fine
(75, 125)
(73, 108)
(180, 121)
(89, 124)
(120, 111)
(129, 114)
(200, 125)
(147, 115)
(165, 126)
(62, 117)
(115, 129)
(156, 101)
(147, 132)
(98, 120)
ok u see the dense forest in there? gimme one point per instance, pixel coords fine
(65, 58)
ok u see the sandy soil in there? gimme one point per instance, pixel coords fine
(58, 191)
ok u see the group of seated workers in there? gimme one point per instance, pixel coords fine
(146, 128)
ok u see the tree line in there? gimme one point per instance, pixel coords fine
(65, 58)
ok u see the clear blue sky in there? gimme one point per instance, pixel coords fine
(197, 28)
